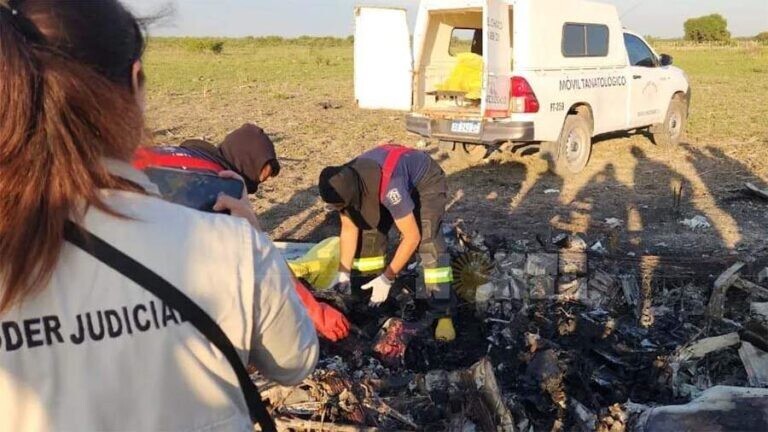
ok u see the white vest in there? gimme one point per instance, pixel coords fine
(94, 351)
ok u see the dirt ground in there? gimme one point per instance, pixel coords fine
(303, 97)
(628, 178)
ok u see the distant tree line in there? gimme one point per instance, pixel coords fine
(215, 45)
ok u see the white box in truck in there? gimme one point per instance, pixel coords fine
(540, 74)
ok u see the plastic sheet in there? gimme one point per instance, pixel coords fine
(466, 76)
(320, 265)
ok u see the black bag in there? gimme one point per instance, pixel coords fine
(176, 299)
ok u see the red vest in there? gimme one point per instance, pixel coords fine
(396, 151)
(146, 157)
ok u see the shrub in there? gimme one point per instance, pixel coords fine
(217, 47)
(203, 45)
(762, 37)
(709, 28)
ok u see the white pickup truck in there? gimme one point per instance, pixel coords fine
(539, 74)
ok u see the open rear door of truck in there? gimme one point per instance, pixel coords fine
(383, 59)
(497, 57)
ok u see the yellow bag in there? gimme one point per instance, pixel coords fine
(466, 76)
(320, 265)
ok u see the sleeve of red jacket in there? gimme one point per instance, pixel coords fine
(329, 323)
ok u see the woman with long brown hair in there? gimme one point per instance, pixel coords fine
(119, 311)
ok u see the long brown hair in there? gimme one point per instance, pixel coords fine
(65, 103)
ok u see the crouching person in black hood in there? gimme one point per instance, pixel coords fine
(247, 151)
(393, 185)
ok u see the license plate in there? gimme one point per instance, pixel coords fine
(466, 127)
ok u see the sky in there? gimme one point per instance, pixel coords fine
(289, 18)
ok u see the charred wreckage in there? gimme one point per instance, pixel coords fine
(552, 336)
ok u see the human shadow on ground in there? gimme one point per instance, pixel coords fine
(724, 177)
(650, 190)
(653, 190)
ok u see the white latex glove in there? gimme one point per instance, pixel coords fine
(342, 283)
(380, 287)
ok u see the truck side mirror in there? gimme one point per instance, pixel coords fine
(666, 60)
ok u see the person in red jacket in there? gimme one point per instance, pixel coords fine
(250, 153)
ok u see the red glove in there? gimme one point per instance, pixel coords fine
(329, 323)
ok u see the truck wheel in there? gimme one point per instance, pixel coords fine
(671, 132)
(469, 154)
(570, 153)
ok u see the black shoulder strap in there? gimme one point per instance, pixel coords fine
(176, 299)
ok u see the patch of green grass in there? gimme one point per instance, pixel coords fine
(172, 68)
(729, 86)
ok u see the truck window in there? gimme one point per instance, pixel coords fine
(585, 40)
(465, 40)
(639, 53)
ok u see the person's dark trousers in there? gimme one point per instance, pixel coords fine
(371, 253)
(430, 197)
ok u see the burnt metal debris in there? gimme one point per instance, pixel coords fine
(552, 336)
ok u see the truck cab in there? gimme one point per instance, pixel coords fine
(546, 75)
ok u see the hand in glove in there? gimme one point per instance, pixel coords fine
(329, 323)
(380, 287)
(342, 283)
(444, 332)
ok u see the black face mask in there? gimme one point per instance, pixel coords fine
(356, 186)
(340, 186)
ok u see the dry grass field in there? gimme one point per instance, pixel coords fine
(300, 91)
